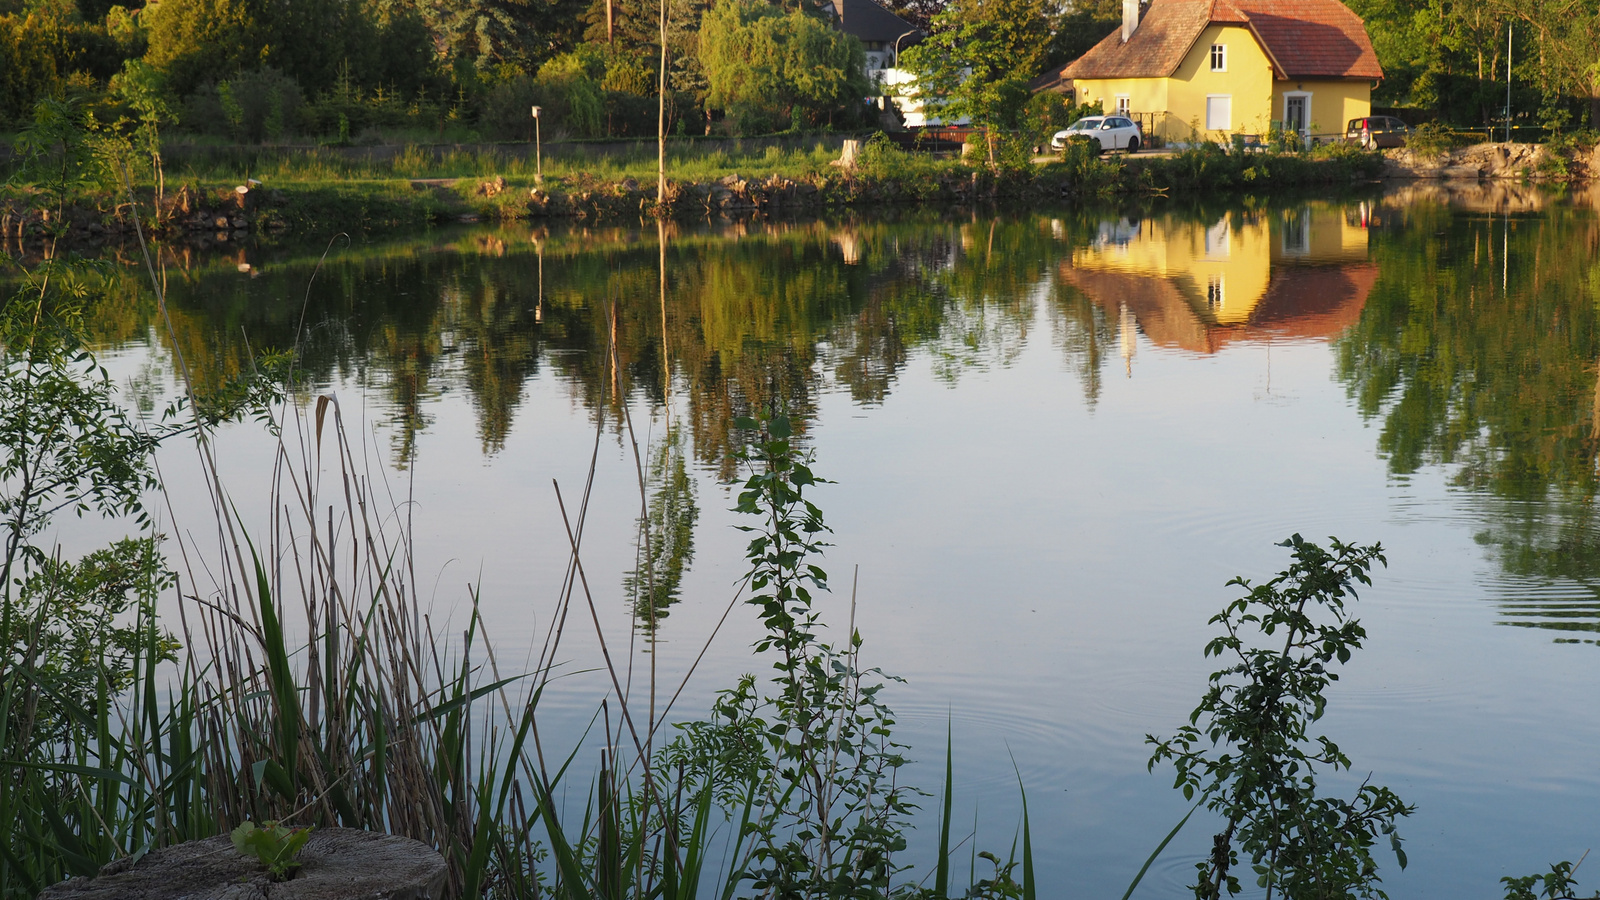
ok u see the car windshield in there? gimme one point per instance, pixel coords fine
(1085, 124)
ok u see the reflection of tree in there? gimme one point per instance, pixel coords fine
(1084, 335)
(497, 345)
(1553, 553)
(751, 324)
(668, 532)
(1476, 351)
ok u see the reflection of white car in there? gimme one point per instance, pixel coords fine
(1113, 133)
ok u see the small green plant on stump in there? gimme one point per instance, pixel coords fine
(274, 844)
(1246, 751)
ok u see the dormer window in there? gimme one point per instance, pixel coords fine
(1219, 57)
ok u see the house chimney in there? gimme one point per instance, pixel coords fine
(1130, 18)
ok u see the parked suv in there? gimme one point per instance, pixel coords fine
(1112, 132)
(1377, 131)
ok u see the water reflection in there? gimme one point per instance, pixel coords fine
(1477, 353)
(1251, 274)
(1463, 321)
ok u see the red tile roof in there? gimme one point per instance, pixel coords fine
(1302, 38)
(1307, 303)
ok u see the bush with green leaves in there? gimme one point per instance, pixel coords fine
(1432, 139)
(1047, 113)
(1248, 756)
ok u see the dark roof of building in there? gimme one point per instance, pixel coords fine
(1302, 38)
(1051, 81)
(867, 21)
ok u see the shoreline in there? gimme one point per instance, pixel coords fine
(218, 213)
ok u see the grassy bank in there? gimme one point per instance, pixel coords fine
(321, 190)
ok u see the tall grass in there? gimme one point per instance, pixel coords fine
(312, 687)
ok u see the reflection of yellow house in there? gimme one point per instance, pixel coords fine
(1205, 69)
(1297, 272)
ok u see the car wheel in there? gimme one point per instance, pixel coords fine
(1133, 145)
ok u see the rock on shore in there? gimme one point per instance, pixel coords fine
(1489, 161)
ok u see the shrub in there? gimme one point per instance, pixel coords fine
(1432, 139)
(251, 107)
(1246, 751)
(1045, 114)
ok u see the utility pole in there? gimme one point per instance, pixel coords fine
(1508, 82)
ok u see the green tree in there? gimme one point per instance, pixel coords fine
(31, 48)
(1079, 27)
(769, 68)
(313, 42)
(980, 58)
(142, 87)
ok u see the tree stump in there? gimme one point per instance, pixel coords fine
(336, 864)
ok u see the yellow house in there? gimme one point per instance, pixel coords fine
(1209, 69)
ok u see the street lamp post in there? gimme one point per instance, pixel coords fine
(897, 47)
(538, 151)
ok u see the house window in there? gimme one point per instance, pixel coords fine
(1214, 298)
(1219, 112)
(1217, 239)
(1296, 232)
(1219, 57)
(1122, 104)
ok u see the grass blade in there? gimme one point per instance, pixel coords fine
(941, 872)
(1159, 847)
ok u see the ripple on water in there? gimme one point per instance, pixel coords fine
(1567, 606)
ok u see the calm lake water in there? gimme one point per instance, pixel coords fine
(1053, 437)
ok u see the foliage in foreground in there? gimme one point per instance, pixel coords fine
(1246, 750)
(1557, 884)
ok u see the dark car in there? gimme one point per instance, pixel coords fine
(1374, 132)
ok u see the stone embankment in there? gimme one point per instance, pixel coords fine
(735, 195)
(203, 217)
(1492, 162)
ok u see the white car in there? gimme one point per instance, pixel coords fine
(1113, 133)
